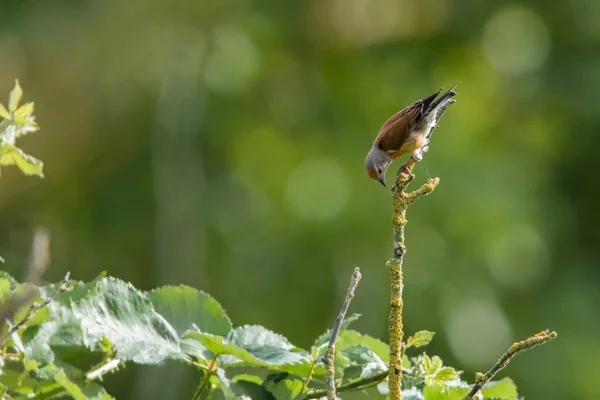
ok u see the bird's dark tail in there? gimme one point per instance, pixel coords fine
(443, 98)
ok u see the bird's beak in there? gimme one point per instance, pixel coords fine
(382, 180)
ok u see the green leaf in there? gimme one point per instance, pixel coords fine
(252, 390)
(267, 346)
(412, 394)
(4, 112)
(324, 338)
(283, 388)
(81, 391)
(436, 392)
(11, 155)
(14, 98)
(4, 289)
(116, 310)
(218, 345)
(250, 378)
(504, 389)
(419, 339)
(183, 306)
(24, 111)
(369, 362)
(350, 338)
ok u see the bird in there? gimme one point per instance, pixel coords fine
(407, 132)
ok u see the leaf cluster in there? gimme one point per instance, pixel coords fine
(95, 327)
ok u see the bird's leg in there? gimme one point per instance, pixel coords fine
(407, 169)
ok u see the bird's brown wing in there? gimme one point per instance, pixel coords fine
(398, 127)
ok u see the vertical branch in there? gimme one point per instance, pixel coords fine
(329, 358)
(401, 201)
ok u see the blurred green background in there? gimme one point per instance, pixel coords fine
(220, 144)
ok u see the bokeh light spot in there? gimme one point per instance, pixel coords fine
(519, 258)
(516, 41)
(478, 331)
(234, 62)
(317, 190)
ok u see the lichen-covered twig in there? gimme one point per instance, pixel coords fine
(530, 342)
(401, 201)
(329, 358)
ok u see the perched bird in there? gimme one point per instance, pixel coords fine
(407, 131)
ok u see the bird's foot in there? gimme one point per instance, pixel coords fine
(406, 169)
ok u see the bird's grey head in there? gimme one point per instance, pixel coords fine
(377, 162)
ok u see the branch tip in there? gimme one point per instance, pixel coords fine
(329, 358)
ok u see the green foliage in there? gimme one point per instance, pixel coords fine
(94, 327)
(16, 122)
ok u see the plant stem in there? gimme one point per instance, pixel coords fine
(530, 342)
(329, 358)
(205, 378)
(401, 201)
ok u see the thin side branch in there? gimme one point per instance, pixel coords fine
(401, 201)
(35, 307)
(329, 358)
(349, 387)
(360, 384)
(530, 342)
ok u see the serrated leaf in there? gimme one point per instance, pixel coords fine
(283, 388)
(219, 345)
(183, 306)
(267, 346)
(24, 111)
(504, 389)
(419, 339)
(116, 310)
(11, 155)
(62, 331)
(324, 338)
(14, 98)
(4, 112)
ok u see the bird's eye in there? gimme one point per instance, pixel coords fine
(379, 170)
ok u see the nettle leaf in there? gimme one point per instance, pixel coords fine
(125, 316)
(419, 339)
(184, 306)
(283, 388)
(504, 389)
